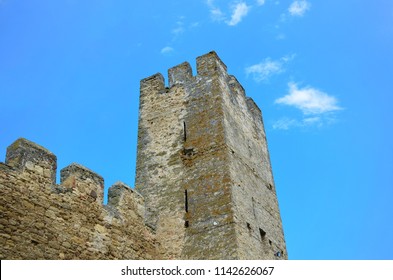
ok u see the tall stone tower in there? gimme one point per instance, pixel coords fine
(203, 166)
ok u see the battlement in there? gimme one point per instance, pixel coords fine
(83, 181)
(156, 97)
(235, 86)
(26, 155)
(70, 213)
(207, 65)
(123, 198)
(180, 74)
(154, 84)
(210, 64)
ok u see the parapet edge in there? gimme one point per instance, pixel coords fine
(74, 168)
(207, 65)
(74, 178)
(253, 107)
(154, 83)
(23, 142)
(235, 85)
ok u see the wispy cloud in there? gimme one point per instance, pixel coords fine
(264, 70)
(215, 12)
(178, 30)
(260, 2)
(309, 100)
(239, 11)
(299, 8)
(286, 123)
(179, 27)
(312, 120)
(167, 50)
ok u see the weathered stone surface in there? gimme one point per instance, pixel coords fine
(204, 183)
(203, 167)
(40, 220)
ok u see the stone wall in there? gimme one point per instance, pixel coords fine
(42, 220)
(203, 166)
(257, 217)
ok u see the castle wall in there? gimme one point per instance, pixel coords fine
(257, 217)
(42, 220)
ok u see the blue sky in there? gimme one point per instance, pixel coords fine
(321, 71)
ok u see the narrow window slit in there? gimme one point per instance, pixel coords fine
(262, 233)
(186, 201)
(184, 132)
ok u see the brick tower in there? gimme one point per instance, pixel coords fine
(203, 167)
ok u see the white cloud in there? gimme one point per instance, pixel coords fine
(167, 50)
(260, 2)
(288, 58)
(240, 10)
(285, 123)
(309, 100)
(267, 68)
(178, 30)
(318, 108)
(298, 8)
(217, 14)
(264, 70)
(312, 120)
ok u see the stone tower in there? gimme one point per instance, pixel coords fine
(203, 167)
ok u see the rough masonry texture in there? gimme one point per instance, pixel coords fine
(204, 186)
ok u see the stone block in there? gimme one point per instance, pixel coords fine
(24, 154)
(83, 181)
